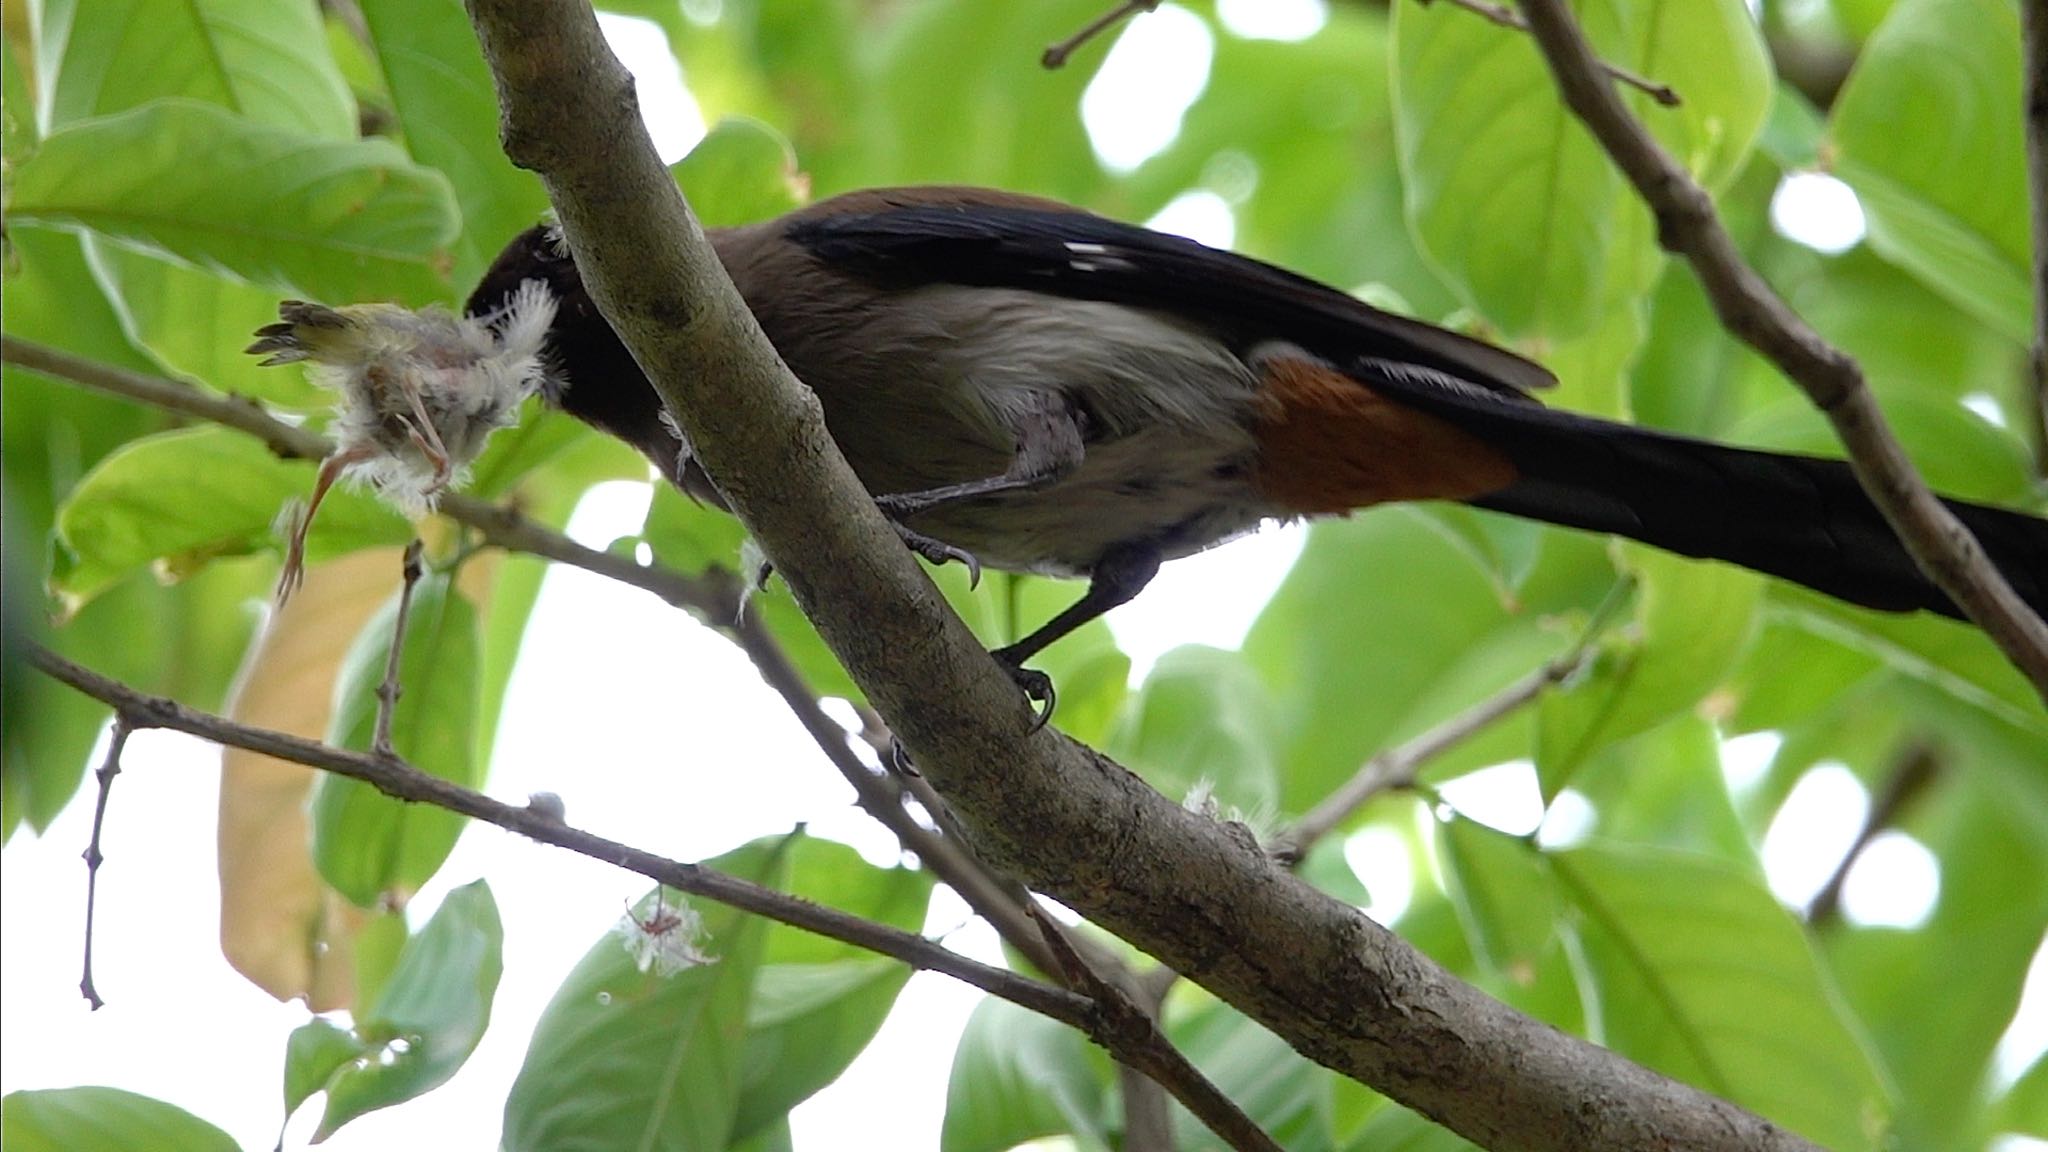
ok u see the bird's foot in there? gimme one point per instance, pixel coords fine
(1037, 686)
(938, 551)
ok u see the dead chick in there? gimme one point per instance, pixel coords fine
(420, 393)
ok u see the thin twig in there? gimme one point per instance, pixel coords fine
(1915, 770)
(1117, 1015)
(1507, 17)
(388, 691)
(2034, 36)
(1689, 226)
(1056, 55)
(1144, 1048)
(1398, 766)
(108, 769)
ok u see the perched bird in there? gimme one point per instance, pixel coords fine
(1055, 392)
(420, 392)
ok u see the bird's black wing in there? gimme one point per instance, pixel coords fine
(1079, 255)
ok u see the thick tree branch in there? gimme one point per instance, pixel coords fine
(2034, 30)
(1135, 1042)
(1062, 818)
(1688, 226)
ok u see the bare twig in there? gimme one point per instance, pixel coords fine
(388, 691)
(1507, 17)
(1119, 1015)
(1912, 774)
(108, 769)
(1688, 225)
(2034, 29)
(1138, 1043)
(1056, 55)
(1397, 767)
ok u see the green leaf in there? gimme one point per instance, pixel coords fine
(1018, 1076)
(1927, 131)
(314, 1052)
(817, 1002)
(176, 501)
(103, 1120)
(1379, 611)
(1958, 452)
(264, 60)
(2025, 1108)
(334, 220)
(1694, 620)
(1665, 787)
(1703, 976)
(1488, 151)
(1278, 1088)
(740, 172)
(370, 846)
(430, 1016)
(196, 324)
(1202, 720)
(19, 133)
(629, 1059)
(1972, 955)
(1503, 893)
(442, 95)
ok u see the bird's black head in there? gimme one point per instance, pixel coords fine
(590, 374)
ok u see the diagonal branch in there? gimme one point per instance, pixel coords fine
(1060, 817)
(1688, 225)
(1137, 1043)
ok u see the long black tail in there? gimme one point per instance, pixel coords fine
(1802, 518)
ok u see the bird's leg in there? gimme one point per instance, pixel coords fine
(1121, 574)
(425, 436)
(1049, 447)
(294, 571)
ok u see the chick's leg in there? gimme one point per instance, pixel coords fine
(425, 436)
(294, 572)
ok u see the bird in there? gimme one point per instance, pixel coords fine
(1051, 391)
(420, 392)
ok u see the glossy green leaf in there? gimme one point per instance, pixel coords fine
(2025, 1108)
(1703, 976)
(1927, 130)
(442, 95)
(314, 1052)
(1201, 726)
(264, 60)
(630, 1058)
(178, 500)
(1019, 1076)
(1503, 893)
(741, 172)
(103, 1120)
(19, 132)
(1489, 152)
(1693, 621)
(368, 846)
(196, 323)
(1971, 956)
(1006, 123)
(334, 220)
(817, 1002)
(1666, 787)
(1376, 611)
(1282, 1091)
(430, 1015)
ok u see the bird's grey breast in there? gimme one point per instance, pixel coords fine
(929, 386)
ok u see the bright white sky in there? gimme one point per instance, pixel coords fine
(692, 755)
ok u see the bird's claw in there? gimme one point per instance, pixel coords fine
(940, 552)
(1038, 690)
